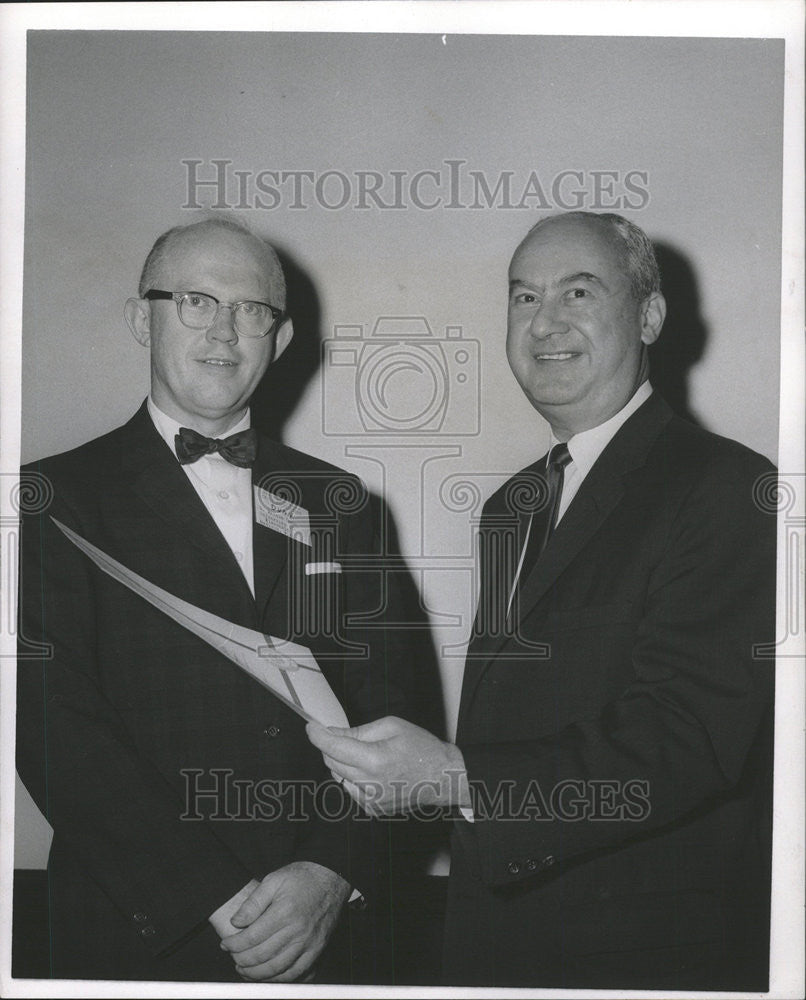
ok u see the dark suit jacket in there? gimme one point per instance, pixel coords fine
(619, 736)
(127, 718)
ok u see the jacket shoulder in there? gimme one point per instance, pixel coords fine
(284, 458)
(86, 459)
(688, 449)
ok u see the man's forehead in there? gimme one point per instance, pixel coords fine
(569, 246)
(216, 241)
(217, 255)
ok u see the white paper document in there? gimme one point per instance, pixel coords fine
(287, 669)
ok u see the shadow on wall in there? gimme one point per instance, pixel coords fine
(407, 920)
(283, 385)
(272, 404)
(682, 342)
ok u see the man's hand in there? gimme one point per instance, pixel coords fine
(221, 919)
(391, 766)
(287, 921)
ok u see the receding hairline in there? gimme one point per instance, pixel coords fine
(634, 247)
(173, 239)
(593, 221)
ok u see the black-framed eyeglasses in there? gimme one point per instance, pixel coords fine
(198, 311)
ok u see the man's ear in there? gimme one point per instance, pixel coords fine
(282, 337)
(138, 318)
(653, 313)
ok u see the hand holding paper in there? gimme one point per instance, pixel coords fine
(391, 766)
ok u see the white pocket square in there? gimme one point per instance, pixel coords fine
(326, 567)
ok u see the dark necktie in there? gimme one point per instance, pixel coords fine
(239, 449)
(544, 520)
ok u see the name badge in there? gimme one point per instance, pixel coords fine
(282, 515)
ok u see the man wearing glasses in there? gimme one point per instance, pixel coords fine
(146, 749)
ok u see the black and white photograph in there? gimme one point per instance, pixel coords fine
(403, 499)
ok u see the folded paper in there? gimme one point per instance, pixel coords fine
(286, 668)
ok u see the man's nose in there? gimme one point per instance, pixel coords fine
(223, 328)
(547, 319)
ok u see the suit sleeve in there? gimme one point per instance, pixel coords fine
(109, 806)
(680, 733)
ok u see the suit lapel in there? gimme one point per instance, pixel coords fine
(599, 494)
(270, 548)
(168, 493)
(158, 480)
(502, 535)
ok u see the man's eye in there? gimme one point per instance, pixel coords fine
(250, 308)
(195, 301)
(526, 298)
(578, 293)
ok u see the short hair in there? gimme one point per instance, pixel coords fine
(639, 253)
(164, 244)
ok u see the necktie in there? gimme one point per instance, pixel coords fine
(544, 520)
(239, 449)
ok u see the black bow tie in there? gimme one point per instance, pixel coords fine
(240, 449)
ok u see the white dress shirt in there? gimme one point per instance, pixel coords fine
(224, 489)
(584, 448)
(587, 446)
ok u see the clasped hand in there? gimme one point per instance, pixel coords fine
(391, 766)
(286, 923)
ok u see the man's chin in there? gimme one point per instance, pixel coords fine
(543, 396)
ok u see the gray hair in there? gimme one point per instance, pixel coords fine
(165, 243)
(639, 254)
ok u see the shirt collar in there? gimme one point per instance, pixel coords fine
(588, 445)
(168, 428)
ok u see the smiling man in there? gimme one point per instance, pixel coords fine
(147, 750)
(579, 323)
(611, 776)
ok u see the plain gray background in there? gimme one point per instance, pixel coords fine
(113, 115)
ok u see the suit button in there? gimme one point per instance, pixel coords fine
(513, 868)
(531, 864)
(548, 861)
(272, 731)
(147, 931)
(139, 918)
